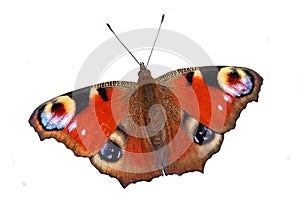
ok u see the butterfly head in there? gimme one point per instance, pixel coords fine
(144, 75)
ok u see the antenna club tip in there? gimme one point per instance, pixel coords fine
(107, 24)
(162, 18)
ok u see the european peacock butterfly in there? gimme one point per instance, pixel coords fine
(137, 131)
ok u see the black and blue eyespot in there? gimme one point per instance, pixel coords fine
(110, 152)
(203, 135)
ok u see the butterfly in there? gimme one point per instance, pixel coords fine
(158, 126)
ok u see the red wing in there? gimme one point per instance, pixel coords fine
(88, 121)
(211, 99)
(213, 95)
(83, 119)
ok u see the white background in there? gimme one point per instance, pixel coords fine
(42, 48)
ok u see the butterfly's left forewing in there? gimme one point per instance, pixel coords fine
(83, 119)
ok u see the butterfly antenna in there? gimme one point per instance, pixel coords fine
(162, 19)
(122, 43)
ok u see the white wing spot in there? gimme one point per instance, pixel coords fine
(72, 126)
(220, 107)
(83, 132)
(227, 98)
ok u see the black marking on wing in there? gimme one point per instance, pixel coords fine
(103, 93)
(81, 98)
(189, 77)
(210, 75)
(122, 129)
(40, 111)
